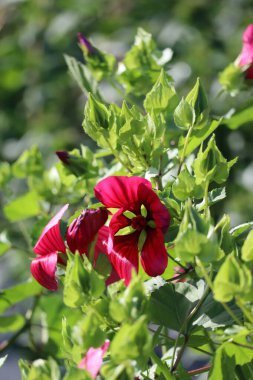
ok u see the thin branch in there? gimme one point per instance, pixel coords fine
(199, 370)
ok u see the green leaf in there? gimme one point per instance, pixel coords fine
(40, 369)
(141, 65)
(96, 121)
(81, 282)
(2, 360)
(210, 165)
(162, 97)
(171, 304)
(82, 75)
(247, 248)
(88, 332)
(23, 207)
(130, 305)
(184, 185)
(11, 323)
(233, 279)
(29, 163)
(18, 293)
(214, 196)
(223, 367)
(240, 118)
(236, 352)
(52, 311)
(198, 100)
(196, 237)
(197, 137)
(240, 232)
(132, 342)
(77, 374)
(184, 115)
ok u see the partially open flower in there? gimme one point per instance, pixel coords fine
(83, 229)
(246, 55)
(48, 246)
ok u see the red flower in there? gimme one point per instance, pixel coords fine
(246, 56)
(137, 226)
(43, 268)
(93, 359)
(101, 248)
(82, 230)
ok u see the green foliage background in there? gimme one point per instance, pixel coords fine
(41, 104)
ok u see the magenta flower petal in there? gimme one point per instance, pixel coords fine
(83, 229)
(93, 359)
(158, 212)
(121, 191)
(51, 240)
(101, 248)
(248, 35)
(43, 269)
(154, 258)
(123, 253)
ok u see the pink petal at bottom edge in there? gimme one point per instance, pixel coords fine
(43, 269)
(93, 359)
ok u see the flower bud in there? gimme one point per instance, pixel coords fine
(83, 229)
(85, 44)
(75, 163)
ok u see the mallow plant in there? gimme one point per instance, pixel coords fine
(132, 276)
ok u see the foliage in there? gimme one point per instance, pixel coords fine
(167, 139)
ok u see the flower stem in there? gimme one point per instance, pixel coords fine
(245, 311)
(199, 370)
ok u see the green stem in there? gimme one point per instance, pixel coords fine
(162, 366)
(176, 262)
(206, 199)
(184, 149)
(245, 311)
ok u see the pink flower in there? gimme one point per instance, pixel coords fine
(93, 359)
(43, 268)
(138, 225)
(82, 230)
(246, 55)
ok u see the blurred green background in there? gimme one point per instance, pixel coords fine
(40, 104)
